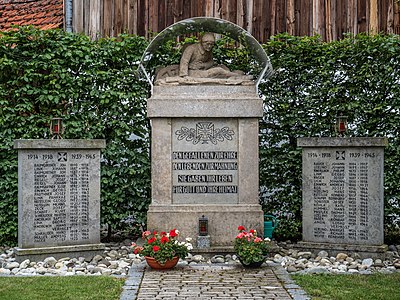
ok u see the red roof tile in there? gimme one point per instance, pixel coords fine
(44, 14)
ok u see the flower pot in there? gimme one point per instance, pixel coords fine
(252, 265)
(169, 264)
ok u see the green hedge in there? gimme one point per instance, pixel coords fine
(95, 87)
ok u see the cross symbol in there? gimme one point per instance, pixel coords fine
(340, 155)
(62, 156)
(204, 131)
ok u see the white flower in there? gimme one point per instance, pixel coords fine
(188, 239)
(189, 246)
(267, 239)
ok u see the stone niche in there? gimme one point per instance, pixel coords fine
(343, 203)
(58, 198)
(205, 160)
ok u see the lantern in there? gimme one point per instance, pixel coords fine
(341, 124)
(56, 128)
(203, 226)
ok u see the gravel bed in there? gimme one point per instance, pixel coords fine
(118, 258)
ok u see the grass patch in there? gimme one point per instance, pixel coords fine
(61, 288)
(354, 287)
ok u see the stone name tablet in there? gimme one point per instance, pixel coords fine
(343, 190)
(59, 193)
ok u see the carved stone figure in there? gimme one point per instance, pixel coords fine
(198, 67)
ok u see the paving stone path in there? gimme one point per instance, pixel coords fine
(216, 281)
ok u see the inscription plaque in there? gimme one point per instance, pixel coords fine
(205, 161)
(343, 194)
(59, 193)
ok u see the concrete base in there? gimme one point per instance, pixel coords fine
(365, 251)
(223, 221)
(39, 254)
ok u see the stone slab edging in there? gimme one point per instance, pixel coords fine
(133, 281)
(294, 290)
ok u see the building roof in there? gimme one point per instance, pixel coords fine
(44, 14)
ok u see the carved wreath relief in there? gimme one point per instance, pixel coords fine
(204, 133)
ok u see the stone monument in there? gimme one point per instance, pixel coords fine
(343, 202)
(204, 150)
(58, 198)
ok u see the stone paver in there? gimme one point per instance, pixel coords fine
(215, 281)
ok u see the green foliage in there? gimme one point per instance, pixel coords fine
(289, 228)
(95, 88)
(230, 53)
(392, 234)
(314, 81)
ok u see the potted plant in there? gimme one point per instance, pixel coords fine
(251, 249)
(162, 250)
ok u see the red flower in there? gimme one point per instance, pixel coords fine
(241, 228)
(156, 248)
(252, 231)
(240, 235)
(164, 240)
(138, 250)
(154, 232)
(152, 240)
(163, 233)
(146, 233)
(173, 233)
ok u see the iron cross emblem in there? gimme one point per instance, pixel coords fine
(205, 131)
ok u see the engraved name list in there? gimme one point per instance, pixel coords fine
(342, 201)
(61, 195)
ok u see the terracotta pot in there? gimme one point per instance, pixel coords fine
(169, 264)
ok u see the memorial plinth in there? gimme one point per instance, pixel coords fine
(205, 160)
(58, 198)
(343, 205)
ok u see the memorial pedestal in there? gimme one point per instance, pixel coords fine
(205, 160)
(343, 205)
(58, 198)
